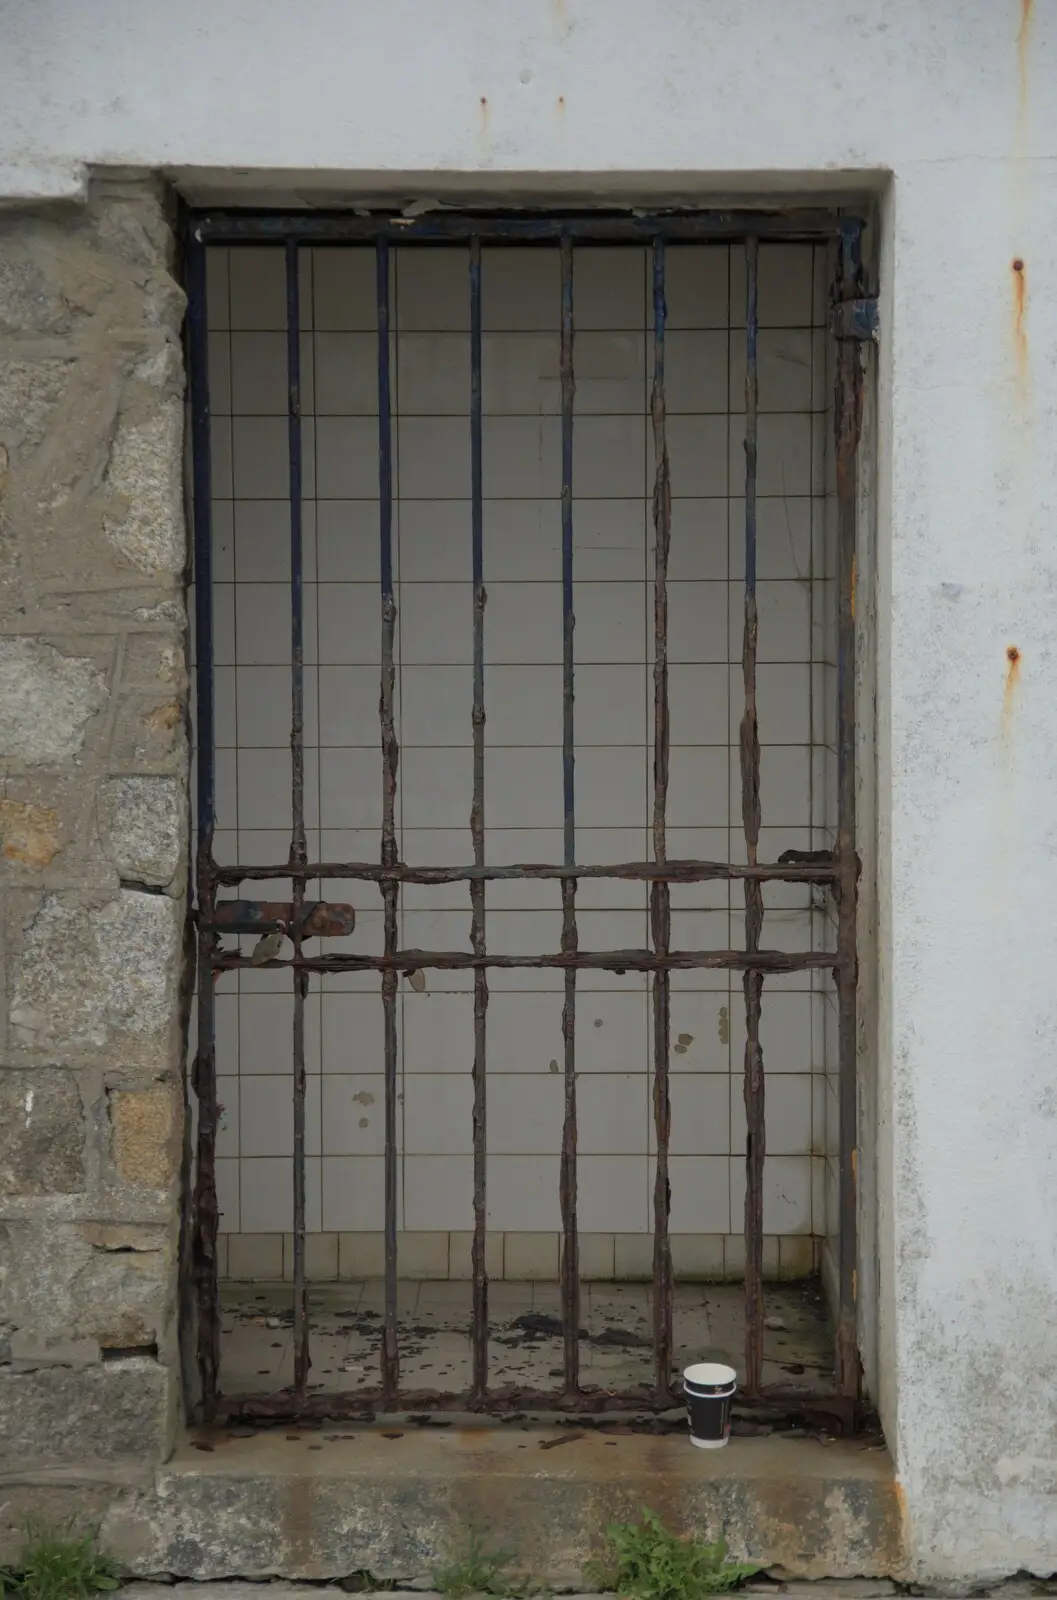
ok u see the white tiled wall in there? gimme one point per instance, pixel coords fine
(613, 476)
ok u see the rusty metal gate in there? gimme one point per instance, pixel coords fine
(851, 319)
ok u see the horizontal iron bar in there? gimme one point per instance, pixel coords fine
(511, 1401)
(647, 871)
(600, 960)
(322, 227)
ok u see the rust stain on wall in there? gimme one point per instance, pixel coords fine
(1009, 693)
(1019, 272)
(1027, 8)
(30, 833)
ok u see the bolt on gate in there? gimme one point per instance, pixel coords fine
(852, 318)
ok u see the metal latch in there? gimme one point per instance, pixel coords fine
(854, 319)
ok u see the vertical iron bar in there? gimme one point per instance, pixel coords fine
(298, 848)
(570, 1265)
(848, 425)
(755, 1138)
(660, 893)
(204, 1220)
(477, 888)
(390, 760)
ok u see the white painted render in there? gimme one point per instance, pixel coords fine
(945, 112)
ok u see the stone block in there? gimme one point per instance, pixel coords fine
(155, 661)
(88, 976)
(150, 734)
(145, 1135)
(42, 1133)
(145, 524)
(113, 1411)
(29, 834)
(47, 700)
(29, 392)
(144, 820)
(110, 1285)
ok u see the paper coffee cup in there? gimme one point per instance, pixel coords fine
(709, 1389)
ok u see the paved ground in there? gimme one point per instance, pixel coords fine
(525, 1348)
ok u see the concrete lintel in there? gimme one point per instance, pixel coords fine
(30, 183)
(320, 1504)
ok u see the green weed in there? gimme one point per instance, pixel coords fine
(648, 1562)
(61, 1563)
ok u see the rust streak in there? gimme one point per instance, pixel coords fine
(1009, 693)
(1020, 306)
(1027, 8)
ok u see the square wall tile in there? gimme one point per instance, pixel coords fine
(524, 1035)
(344, 288)
(701, 1032)
(783, 539)
(787, 1115)
(346, 373)
(696, 363)
(257, 287)
(697, 1257)
(612, 1192)
(521, 457)
(525, 1113)
(523, 1195)
(700, 1114)
(699, 540)
(702, 462)
(433, 290)
(266, 1194)
(438, 1113)
(633, 1257)
(353, 1193)
(256, 1257)
(353, 1113)
(784, 370)
(266, 1024)
(609, 287)
(612, 1113)
(347, 458)
(354, 1032)
(786, 1193)
(700, 1188)
(784, 286)
(350, 624)
(612, 786)
(347, 542)
(612, 1032)
(531, 1257)
(361, 1255)
(266, 1115)
(436, 787)
(523, 705)
(523, 624)
(696, 286)
(520, 288)
(610, 622)
(438, 1192)
(460, 1260)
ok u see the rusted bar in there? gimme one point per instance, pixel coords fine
(204, 1218)
(755, 1137)
(790, 868)
(570, 1262)
(835, 1413)
(298, 846)
(477, 885)
(788, 223)
(582, 960)
(660, 896)
(848, 425)
(390, 1353)
(320, 919)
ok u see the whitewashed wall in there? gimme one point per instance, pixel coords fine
(947, 110)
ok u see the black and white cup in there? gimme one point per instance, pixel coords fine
(709, 1389)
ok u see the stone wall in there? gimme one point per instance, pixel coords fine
(93, 828)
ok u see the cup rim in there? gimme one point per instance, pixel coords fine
(710, 1374)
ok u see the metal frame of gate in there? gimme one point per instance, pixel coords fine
(852, 319)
